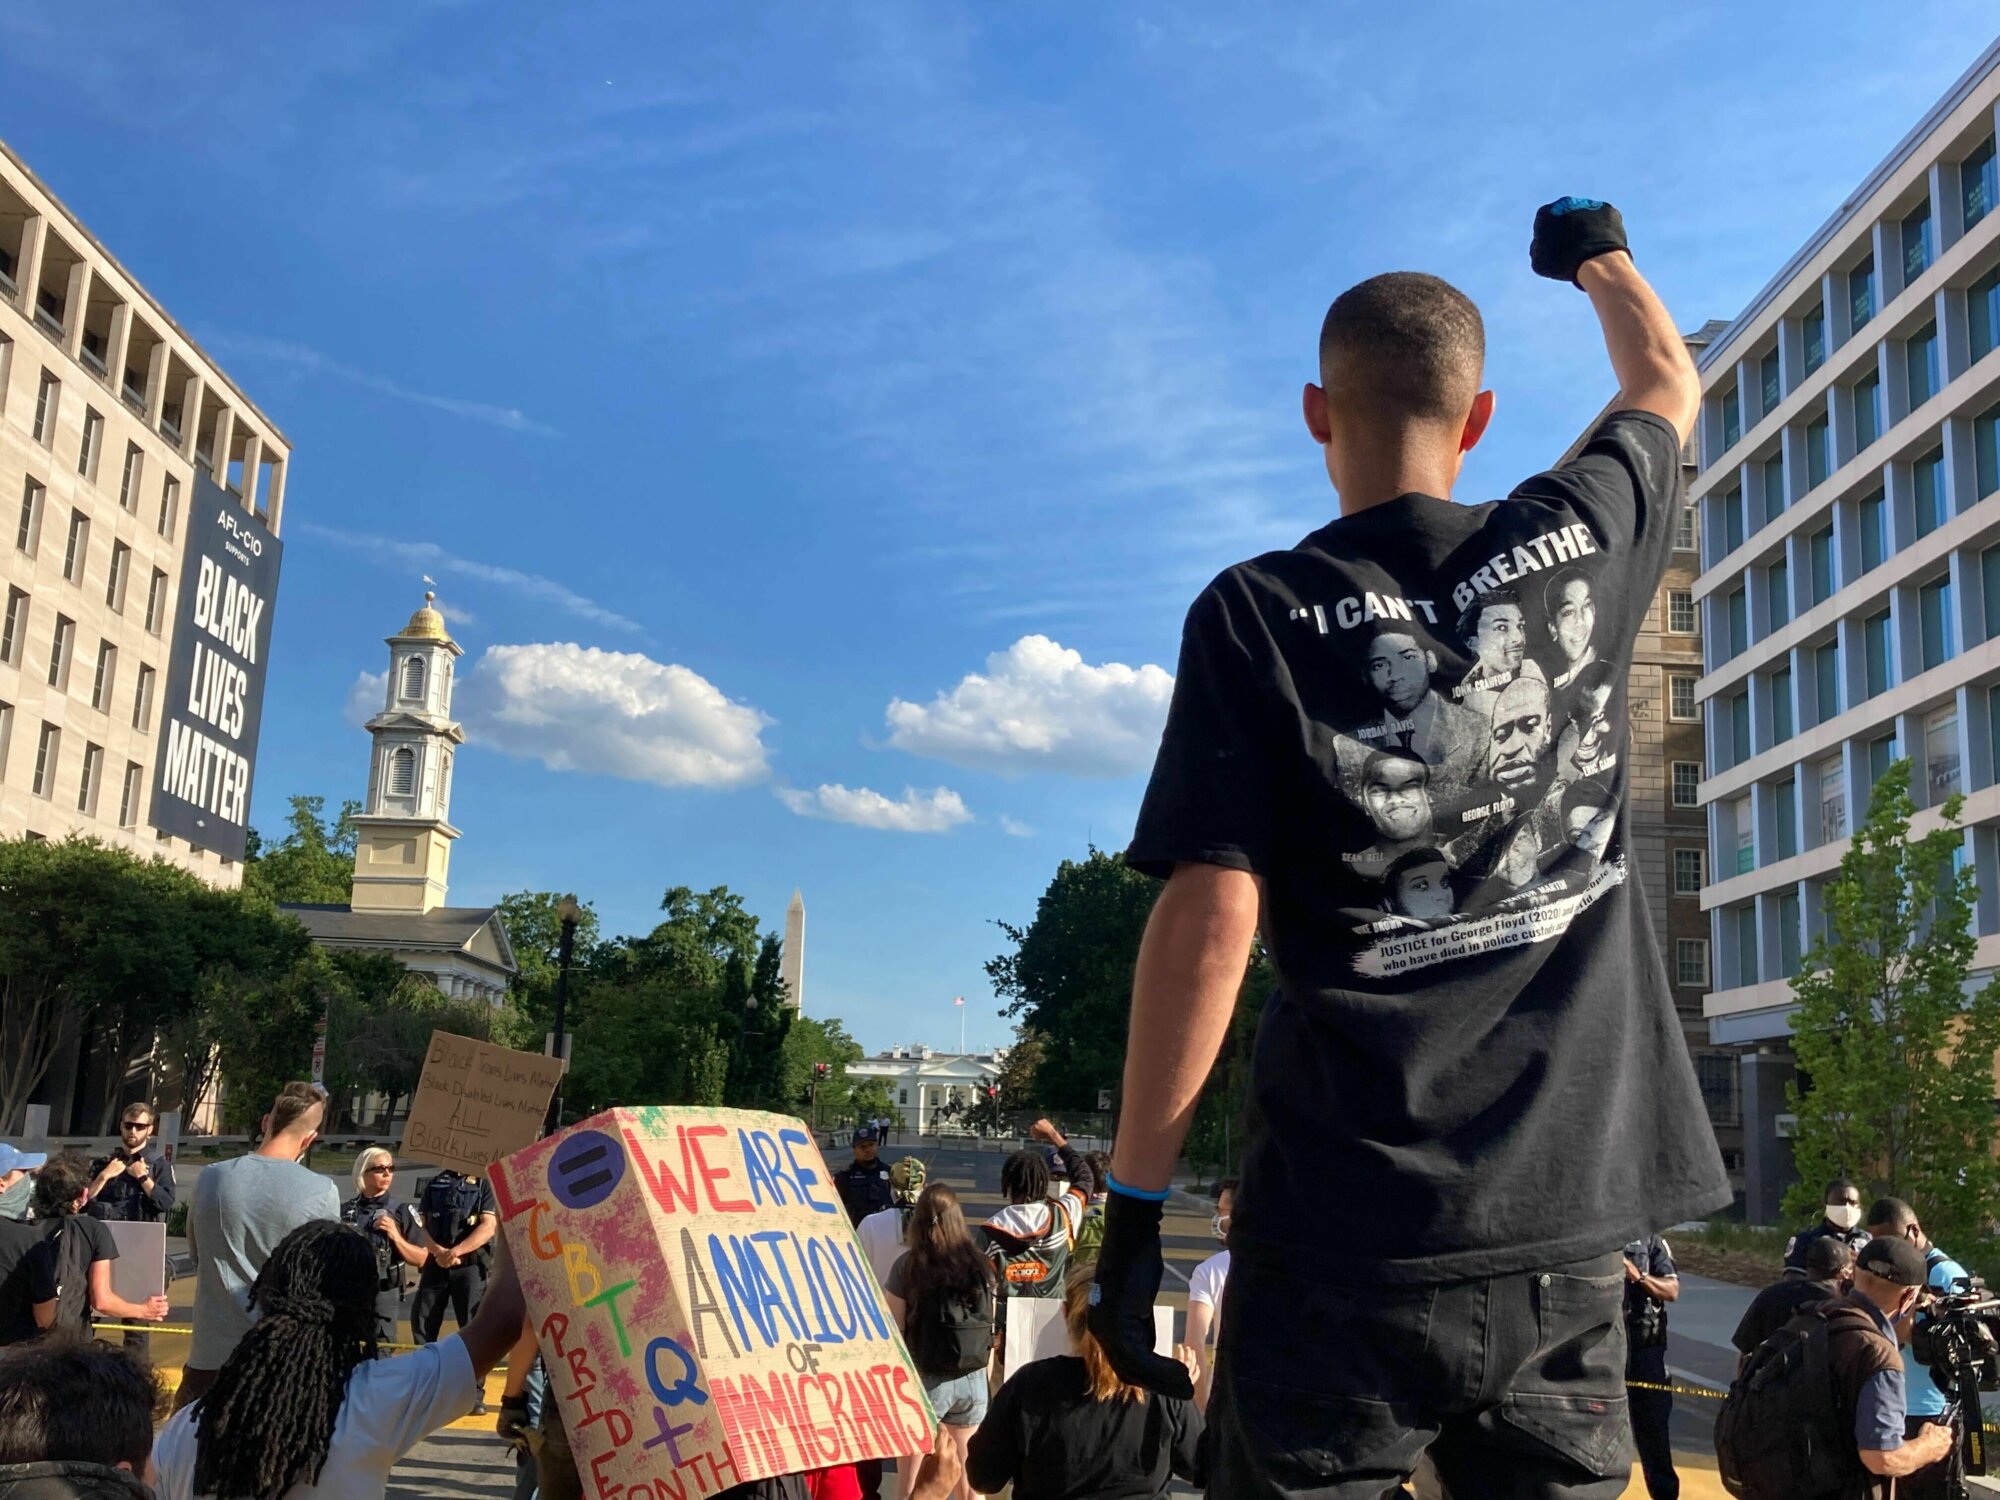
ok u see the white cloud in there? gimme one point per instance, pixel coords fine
(613, 713)
(1039, 707)
(303, 357)
(935, 811)
(366, 697)
(1015, 828)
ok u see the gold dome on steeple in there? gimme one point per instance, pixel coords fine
(426, 624)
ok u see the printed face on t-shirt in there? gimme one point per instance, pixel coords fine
(1573, 618)
(1396, 791)
(1400, 670)
(1595, 742)
(1500, 639)
(1520, 732)
(1424, 891)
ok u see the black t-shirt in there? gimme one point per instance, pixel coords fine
(1046, 1435)
(1412, 725)
(45, 1263)
(1772, 1308)
(25, 1280)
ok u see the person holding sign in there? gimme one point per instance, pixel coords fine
(302, 1406)
(942, 1294)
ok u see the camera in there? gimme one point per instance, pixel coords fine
(1957, 1337)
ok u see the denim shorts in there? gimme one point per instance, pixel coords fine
(959, 1400)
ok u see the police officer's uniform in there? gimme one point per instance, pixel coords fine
(1797, 1246)
(391, 1287)
(124, 1201)
(1646, 1360)
(864, 1189)
(451, 1208)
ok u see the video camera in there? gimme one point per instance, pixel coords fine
(1957, 1337)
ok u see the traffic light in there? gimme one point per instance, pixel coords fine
(992, 1092)
(822, 1071)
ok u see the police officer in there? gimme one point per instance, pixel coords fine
(134, 1184)
(393, 1230)
(1840, 1217)
(863, 1184)
(1650, 1284)
(459, 1217)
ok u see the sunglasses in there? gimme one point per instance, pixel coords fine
(135, 1124)
(382, 1167)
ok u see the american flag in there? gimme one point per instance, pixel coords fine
(959, 1001)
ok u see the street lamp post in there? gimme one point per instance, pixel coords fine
(569, 914)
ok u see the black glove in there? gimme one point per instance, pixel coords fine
(1121, 1303)
(1569, 232)
(512, 1424)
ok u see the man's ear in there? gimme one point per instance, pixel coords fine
(1475, 421)
(1314, 405)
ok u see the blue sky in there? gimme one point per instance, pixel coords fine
(823, 415)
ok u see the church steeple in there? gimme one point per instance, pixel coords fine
(403, 860)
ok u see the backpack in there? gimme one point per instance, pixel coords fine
(1089, 1236)
(953, 1334)
(1781, 1434)
(71, 1253)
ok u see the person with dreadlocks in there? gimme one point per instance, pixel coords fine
(302, 1407)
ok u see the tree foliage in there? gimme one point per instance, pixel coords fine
(1897, 1047)
(313, 864)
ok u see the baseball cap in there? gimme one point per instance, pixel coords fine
(867, 1133)
(14, 1160)
(1894, 1259)
(907, 1176)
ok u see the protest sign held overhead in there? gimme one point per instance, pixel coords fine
(703, 1309)
(476, 1102)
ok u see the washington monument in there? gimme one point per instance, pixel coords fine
(792, 963)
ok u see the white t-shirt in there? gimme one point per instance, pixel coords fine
(1205, 1285)
(881, 1236)
(392, 1405)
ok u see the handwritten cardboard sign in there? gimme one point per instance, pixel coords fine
(476, 1102)
(704, 1312)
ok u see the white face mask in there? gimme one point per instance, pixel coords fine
(1219, 1224)
(1843, 1215)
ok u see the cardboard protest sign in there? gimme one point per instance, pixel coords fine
(1035, 1330)
(476, 1102)
(704, 1311)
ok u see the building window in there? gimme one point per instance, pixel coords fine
(1986, 451)
(1989, 573)
(1687, 783)
(128, 799)
(1689, 871)
(1874, 531)
(28, 535)
(1881, 754)
(6, 735)
(1768, 384)
(1918, 248)
(1781, 705)
(47, 398)
(1739, 728)
(1786, 795)
(1868, 421)
(1977, 183)
(1813, 327)
(14, 629)
(1732, 519)
(121, 569)
(1832, 801)
(1941, 761)
(1680, 611)
(1680, 698)
(48, 753)
(142, 699)
(1739, 622)
(1983, 303)
(170, 504)
(902, 1096)
(1936, 625)
(1861, 293)
(1774, 487)
(1875, 653)
(1993, 727)
(107, 674)
(1778, 591)
(1732, 418)
(1746, 944)
(77, 549)
(62, 645)
(1920, 357)
(156, 602)
(1826, 680)
(86, 787)
(128, 482)
(1790, 931)
(413, 677)
(1685, 539)
(1819, 452)
(1819, 549)
(1927, 476)
(402, 773)
(1691, 963)
(1716, 1072)
(93, 440)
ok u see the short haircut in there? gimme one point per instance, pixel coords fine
(1589, 792)
(59, 1183)
(140, 1107)
(1379, 758)
(366, 1160)
(1839, 1186)
(1589, 678)
(1468, 622)
(1891, 1214)
(295, 1101)
(1403, 346)
(1413, 859)
(1827, 1257)
(1226, 1185)
(1024, 1177)
(1552, 591)
(65, 1400)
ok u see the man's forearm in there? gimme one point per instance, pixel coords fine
(1651, 362)
(1190, 968)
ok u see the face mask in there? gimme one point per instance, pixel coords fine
(14, 1201)
(1843, 1215)
(1219, 1226)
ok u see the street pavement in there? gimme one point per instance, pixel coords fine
(465, 1460)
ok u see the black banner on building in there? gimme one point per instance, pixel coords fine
(215, 674)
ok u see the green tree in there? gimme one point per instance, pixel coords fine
(313, 864)
(380, 1024)
(811, 1040)
(1898, 1048)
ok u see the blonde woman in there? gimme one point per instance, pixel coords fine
(1069, 1429)
(394, 1232)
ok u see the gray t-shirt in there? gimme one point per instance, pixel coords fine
(242, 1209)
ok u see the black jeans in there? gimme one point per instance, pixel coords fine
(1651, 1412)
(1327, 1391)
(462, 1286)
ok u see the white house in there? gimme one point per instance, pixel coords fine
(924, 1082)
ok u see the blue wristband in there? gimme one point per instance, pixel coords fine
(1112, 1184)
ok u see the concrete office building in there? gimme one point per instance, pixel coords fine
(1849, 489)
(106, 408)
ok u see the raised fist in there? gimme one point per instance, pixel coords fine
(1569, 232)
